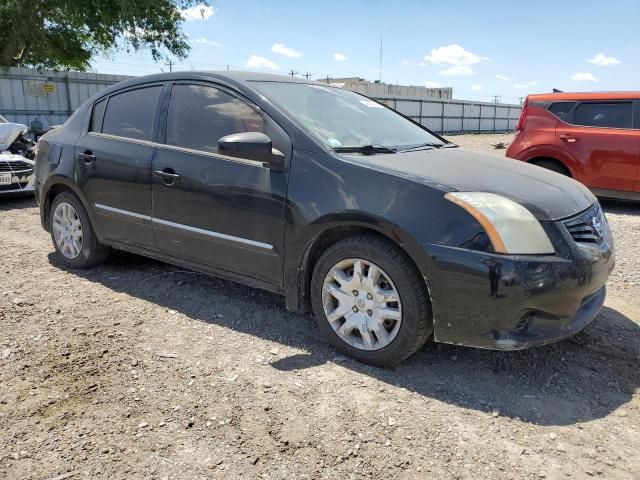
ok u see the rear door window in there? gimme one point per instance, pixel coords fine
(131, 114)
(200, 115)
(96, 116)
(607, 115)
(561, 109)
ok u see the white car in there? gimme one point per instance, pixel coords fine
(16, 169)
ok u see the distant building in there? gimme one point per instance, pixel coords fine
(378, 89)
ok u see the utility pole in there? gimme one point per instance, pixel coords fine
(292, 73)
(497, 98)
(521, 100)
(380, 69)
(170, 63)
(307, 75)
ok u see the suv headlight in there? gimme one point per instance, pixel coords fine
(510, 226)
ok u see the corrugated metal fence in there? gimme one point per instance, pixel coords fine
(457, 116)
(51, 97)
(47, 97)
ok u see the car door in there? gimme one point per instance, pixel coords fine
(601, 138)
(113, 164)
(636, 127)
(220, 211)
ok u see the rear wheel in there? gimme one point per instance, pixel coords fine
(553, 166)
(370, 301)
(72, 234)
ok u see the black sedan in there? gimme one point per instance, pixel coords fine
(387, 232)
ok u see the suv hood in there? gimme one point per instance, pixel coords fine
(548, 195)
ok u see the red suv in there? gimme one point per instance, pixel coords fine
(592, 137)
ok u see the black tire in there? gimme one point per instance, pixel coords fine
(92, 252)
(417, 322)
(553, 166)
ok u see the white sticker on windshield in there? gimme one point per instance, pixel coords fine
(371, 104)
(334, 142)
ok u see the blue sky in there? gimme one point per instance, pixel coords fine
(479, 48)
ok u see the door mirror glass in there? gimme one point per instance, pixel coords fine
(252, 146)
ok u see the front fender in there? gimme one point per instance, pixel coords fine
(552, 151)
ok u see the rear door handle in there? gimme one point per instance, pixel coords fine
(87, 157)
(168, 175)
(567, 137)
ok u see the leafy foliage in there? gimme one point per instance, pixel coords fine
(65, 34)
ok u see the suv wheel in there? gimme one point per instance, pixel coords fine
(370, 302)
(72, 234)
(553, 166)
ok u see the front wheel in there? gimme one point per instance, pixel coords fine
(370, 302)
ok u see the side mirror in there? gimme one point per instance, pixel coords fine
(253, 146)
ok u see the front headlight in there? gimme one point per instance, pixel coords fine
(510, 226)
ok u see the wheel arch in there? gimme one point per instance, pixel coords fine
(560, 163)
(325, 232)
(54, 186)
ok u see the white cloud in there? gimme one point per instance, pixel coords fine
(197, 12)
(414, 64)
(583, 77)
(286, 51)
(255, 61)
(502, 77)
(603, 61)
(204, 41)
(458, 70)
(476, 87)
(526, 85)
(339, 57)
(430, 84)
(454, 55)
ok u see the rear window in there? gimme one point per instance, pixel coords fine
(608, 115)
(131, 114)
(561, 109)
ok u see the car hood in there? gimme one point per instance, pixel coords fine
(548, 195)
(9, 132)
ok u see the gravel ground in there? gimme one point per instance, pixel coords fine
(138, 370)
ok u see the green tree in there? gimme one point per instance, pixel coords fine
(65, 34)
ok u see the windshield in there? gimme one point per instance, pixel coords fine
(341, 118)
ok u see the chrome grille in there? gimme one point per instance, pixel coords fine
(14, 166)
(589, 226)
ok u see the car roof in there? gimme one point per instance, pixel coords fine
(229, 77)
(564, 96)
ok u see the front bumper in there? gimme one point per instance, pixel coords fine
(22, 175)
(511, 302)
(22, 185)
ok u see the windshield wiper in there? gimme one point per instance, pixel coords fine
(424, 146)
(365, 149)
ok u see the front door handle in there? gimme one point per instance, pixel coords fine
(87, 157)
(567, 137)
(168, 175)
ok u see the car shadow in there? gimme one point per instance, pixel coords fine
(620, 207)
(577, 380)
(17, 201)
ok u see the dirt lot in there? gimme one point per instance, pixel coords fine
(139, 370)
